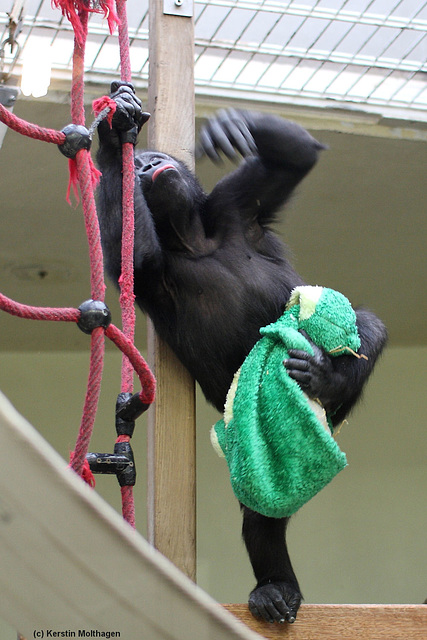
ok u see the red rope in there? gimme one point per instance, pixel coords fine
(66, 314)
(127, 296)
(73, 8)
(38, 313)
(125, 67)
(30, 130)
(85, 179)
(148, 382)
(87, 176)
(77, 82)
(91, 400)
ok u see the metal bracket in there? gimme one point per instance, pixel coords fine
(8, 95)
(183, 8)
(121, 463)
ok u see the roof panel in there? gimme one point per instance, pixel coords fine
(209, 21)
(277, 72)
(254, 70)
(235, 23)
(367, 84)
(136, 11)
(380, 40)
(406, 9)
(207, 63)
(231, 67)
(268, 49)
(356, 7)
(323, 77)
(390, 86)
(331, 37)
(308, 34)
(421, 14)
(355, 40)
(259, 28)
(331, 5)
(139, 56)
(421, 99)
(301, 75)
(381, 8)
(405, 46)
(284, 30)
(411, 89)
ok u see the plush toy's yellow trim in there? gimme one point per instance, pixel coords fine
(215, 443)
(307, 297)
(228, 407)
(320, 413)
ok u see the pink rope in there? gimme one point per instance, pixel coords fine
(147, 380)
(38, 313)
(77, 86)
(77, 12)
(127, 297)
(91, 400)
(125, 67)
(92, 226)
(30, 130)
(67, 314)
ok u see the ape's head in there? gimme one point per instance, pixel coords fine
(168, 185)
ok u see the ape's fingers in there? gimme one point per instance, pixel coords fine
(217, 130)
(238, 132)
(298, 370)
(207, 146)
(301, 364)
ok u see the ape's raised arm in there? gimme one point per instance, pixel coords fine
(278, 154)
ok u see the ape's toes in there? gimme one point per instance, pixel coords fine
(275, 602)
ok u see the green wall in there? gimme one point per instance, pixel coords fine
(362, 539)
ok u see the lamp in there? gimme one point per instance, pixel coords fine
(36, 68)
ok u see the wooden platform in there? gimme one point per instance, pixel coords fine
(344, 622)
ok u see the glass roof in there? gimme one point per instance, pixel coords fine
(354, 54)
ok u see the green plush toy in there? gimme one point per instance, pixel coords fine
(277, 441)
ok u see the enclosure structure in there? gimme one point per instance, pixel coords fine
(369, 79)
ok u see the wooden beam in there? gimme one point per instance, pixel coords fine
(172, 448)
(343, 622)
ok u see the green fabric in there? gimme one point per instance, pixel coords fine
(279, 451)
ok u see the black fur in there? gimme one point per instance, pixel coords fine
(210, 273)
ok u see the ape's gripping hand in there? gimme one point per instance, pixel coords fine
(129, 116)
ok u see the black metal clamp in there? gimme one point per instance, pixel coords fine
(121, 462)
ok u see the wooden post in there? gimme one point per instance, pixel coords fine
(171, 435)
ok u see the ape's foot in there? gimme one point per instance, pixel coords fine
(275, 602)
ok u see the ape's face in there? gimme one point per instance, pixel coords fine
(150, 166)
(166, 183)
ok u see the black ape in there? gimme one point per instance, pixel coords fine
(210, 273)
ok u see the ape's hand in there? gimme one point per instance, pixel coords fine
(129, 116)
(277, 601)
(316, 376)
(228, 133)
